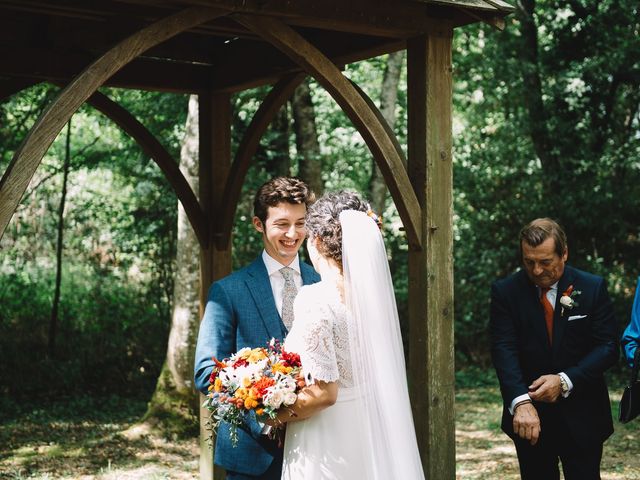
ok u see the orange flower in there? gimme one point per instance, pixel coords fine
(256, 355)
(262, 385)
(278, 367)
(217, 385)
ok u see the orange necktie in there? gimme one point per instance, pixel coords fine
(548, 311)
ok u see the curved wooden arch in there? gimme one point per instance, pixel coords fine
(26, 160)
(149, 145)
(368, 123)
(152, 147)
(268, 109)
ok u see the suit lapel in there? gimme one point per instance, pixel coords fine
(260, 288)
(308, 274)
(560, 318)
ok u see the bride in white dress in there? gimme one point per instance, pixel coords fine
(353, 420)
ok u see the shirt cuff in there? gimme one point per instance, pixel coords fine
(569, 384)
(518, 400)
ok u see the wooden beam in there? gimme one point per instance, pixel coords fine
(269, 107)
(431, 355)
(42, 64)
(399, 19)
(152, 147)
(240, 66)
(28, 156)
(356, 108)
(245, 64)
(215, 263)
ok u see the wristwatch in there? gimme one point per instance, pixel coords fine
(563, 386)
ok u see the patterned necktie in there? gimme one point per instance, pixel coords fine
(548, 311)
(288, 294)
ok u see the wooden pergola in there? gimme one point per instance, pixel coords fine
(214, 48)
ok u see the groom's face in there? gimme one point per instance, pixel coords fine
(283, 231)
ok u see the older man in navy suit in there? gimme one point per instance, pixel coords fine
(553, 335)
(253, 305)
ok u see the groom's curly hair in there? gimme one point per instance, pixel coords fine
(323, 221)
(281, 189)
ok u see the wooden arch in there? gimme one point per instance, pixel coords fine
(232, 49)
(26, 160)
(371, 125)
(151, 146)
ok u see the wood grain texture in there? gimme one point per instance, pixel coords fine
(215, 263)
(28, 156)
(431, 355)
(366, 121)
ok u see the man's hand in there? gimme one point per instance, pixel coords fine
(526, 423)
(546, 389)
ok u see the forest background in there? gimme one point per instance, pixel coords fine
(99, 271)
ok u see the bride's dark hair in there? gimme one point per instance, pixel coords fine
(323, 221)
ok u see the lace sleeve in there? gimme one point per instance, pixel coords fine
(312, 338)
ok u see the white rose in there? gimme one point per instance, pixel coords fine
(566, 301)
(274, 399)
(290, 398)
(287, 383)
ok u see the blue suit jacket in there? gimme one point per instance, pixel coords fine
(631, 335)
(583, 348)
(241, 312)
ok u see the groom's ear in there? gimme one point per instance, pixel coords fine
(257, 224)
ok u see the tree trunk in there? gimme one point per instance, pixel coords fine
(53, 323)
(537, 112)
(278, 150)
(388, 100)
(304, 124)
(174, 405)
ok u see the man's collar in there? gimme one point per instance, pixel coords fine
(273, 265)
(552, 287)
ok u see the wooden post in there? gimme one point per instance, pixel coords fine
(431, 359)
(215, 263)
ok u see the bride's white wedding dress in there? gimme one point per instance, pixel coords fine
(327, 445)
(368, 433)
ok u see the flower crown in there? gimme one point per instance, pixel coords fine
(375, 217)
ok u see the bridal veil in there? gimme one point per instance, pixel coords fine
(377, 353)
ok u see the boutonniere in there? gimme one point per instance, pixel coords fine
(567, 300)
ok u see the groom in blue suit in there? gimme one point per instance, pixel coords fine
(245, 309)
(553, 335)
(251, 306)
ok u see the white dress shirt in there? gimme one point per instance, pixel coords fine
(277, 280)
(552, 294)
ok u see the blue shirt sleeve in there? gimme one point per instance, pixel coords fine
(631, 335)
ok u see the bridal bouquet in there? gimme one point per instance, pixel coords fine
(258, 380)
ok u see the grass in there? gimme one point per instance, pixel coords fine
(483, 452)
(84, 438)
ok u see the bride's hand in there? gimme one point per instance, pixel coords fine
(279, 420)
